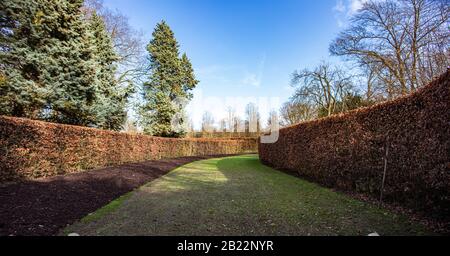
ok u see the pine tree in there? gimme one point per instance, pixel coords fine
(171, 79)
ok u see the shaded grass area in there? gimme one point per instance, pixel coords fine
(240, 196)
(45, 206)
(106, 209)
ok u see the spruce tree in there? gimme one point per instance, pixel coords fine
(22, 56)
(47, 68)
(171, 80)
(72, 74)
(111, 98)
(57, 65)
(189, 82)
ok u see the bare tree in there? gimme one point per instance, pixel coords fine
(127, 41)
(295, 112)
(231, 119)
(253, 118)
(234, 122)
(405, 43)
(207, 122)
(374, 87)
(273, 121)
(223, 125)
(239, 124)
(189, 126)
(323, 87)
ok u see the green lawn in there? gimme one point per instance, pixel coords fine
(239, 196)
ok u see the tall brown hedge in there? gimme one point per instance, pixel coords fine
(346, 151)
(33, 149)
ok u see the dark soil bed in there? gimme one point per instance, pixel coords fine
(45, 206)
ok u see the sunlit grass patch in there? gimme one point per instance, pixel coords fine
(240, 196)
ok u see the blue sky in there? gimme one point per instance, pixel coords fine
(246, 48)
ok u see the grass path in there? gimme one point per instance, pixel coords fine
(239, 196)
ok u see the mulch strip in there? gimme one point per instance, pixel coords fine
(45, 206)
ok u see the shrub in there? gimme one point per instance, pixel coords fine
(34, 149)
(347, 151)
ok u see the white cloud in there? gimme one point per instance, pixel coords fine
(255, 78)
(344, 9)
(355, 5)
(340, 7)
(252, 80)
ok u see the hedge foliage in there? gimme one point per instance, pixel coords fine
(347, 151)
(34, 149)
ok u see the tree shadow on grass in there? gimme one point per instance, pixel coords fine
(239, 196)
(44, 206)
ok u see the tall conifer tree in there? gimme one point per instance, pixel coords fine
(171, 79)
(111, 98)
(48, 70)
(22, 56)
(72, 74)
(58, 65)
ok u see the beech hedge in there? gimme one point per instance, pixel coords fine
(347, 151)
(33, 149)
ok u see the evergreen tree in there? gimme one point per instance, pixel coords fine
(111, 99)
(22, 54)
(47, 67)
(189, 81)
(72, 74)
(171, 80)
(58, 66)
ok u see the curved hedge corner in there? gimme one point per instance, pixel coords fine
(34, 149)
(346, 151)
